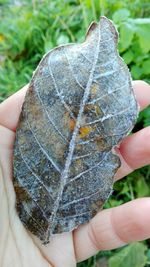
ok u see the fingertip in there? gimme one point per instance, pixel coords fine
(135, 149)
(134, 152)
(10, 109)
(142, 93)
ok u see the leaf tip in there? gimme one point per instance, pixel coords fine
(91, 28)
(105, 22)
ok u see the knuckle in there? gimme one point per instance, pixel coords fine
(93, 236)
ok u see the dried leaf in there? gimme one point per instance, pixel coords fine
(80, 104)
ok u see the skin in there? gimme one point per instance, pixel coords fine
(109, 229)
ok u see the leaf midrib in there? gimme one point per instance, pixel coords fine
(64, 175)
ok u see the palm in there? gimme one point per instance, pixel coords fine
(106, 231)
(19, 245)
(16, 246)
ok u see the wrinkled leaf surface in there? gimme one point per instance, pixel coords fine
(79, 105)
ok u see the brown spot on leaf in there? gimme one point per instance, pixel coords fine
(96, 206)
(72, 124)
(22, 193)
(101, 144)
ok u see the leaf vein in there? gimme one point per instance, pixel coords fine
(49, 118)
(88, 170)
(83, 198)
(59, 93)
(42, 149)
(109, 116)
(64, 174)
(105, 95)
(33, 173)
(80, 85)
(26, 209)
(35, 201)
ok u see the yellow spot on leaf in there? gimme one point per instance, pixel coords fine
(84, 131)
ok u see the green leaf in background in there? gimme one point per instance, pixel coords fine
(142, 188)
(146, 67)
(132, 255)
(121, 15)
(136, 72)
(48, 45)
(128, 56)
(140, 21)
(62, 39)
(148, 255)
(126, 35)
(143, 33)
(146, 117)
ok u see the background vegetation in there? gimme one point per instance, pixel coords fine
(28, 29)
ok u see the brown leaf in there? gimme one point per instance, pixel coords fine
(80, 104)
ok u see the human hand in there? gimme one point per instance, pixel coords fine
(109, 229)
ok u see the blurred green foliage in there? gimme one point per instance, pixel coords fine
(28, 29)
(132, 255)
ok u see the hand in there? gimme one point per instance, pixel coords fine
(109, 229)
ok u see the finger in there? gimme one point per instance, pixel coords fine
(5, 135)
(10, 109)
(134, 152)
(142, 93)
(113, 228)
